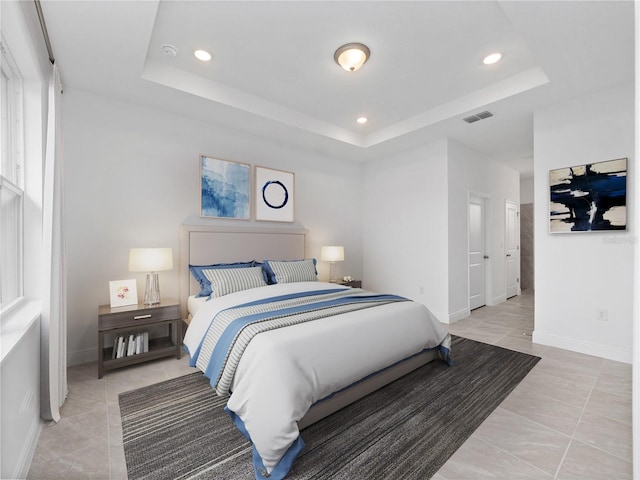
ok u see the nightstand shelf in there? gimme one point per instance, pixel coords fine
(352, 283)
(134, 319)
(158, 348)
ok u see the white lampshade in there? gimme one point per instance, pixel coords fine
(332, 253)
(150, 259)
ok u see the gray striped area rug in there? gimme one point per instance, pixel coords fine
(407, 430)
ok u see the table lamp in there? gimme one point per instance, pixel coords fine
(333, 254)
(151, 260)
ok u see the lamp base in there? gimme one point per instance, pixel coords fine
(332, 276)
(152, 290)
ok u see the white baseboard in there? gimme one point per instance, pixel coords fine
(497, 300)
(28, 450)
(442, 317)
(83, 356)
(580, 346)
(459, 315)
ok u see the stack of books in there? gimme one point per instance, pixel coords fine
(128, 344)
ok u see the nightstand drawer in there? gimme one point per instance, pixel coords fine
(139, 316)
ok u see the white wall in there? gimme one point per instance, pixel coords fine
(526, 190)
(635, 215)
(415, 224)
(578, 274)
(132, 177)
(405, 226)
(19, 397)
(471, 173)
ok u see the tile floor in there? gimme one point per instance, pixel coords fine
(570, 418)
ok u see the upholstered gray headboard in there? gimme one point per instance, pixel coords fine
(208, 245)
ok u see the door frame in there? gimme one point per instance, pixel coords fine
(517, 234)
(486, 205)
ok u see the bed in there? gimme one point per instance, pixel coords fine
(281, 380)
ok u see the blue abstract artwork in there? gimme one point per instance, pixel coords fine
(225, 188)
(590, 197)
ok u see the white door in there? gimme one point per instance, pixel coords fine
(477, 296)
(512, 250)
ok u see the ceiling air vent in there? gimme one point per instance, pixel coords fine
(478, 116)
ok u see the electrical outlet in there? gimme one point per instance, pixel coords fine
(602, 315)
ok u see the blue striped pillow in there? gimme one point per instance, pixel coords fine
(228, 280)
(203, 281)
(291, 272)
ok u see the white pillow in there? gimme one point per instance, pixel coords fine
(228, 280)
(296, 271)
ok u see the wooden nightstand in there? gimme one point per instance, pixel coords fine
(136, 319)
(352, 283)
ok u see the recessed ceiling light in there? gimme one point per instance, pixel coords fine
(202, 55)
(491, 59)
(362, 120)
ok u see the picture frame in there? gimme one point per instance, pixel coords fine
(123, 293)
(588, 198)
(224, 189)
(274, 195)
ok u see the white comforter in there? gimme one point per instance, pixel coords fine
(285, 371)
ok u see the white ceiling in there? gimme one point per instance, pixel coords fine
(273, 73)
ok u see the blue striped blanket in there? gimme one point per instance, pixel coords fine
(232, 329)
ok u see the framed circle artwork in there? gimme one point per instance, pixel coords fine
(274, 194)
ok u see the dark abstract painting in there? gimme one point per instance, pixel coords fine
(591, 197)
(225, 188)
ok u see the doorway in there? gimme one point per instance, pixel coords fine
(477, 252)
(512, 250)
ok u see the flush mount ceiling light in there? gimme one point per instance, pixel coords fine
(352, 56)
(491, 59)
(362, 120)
(202, 55)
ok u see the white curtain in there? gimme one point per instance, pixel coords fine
(53, 347)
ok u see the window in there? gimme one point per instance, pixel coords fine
(11, 182)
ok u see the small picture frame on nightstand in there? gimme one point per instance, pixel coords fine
(123, 293)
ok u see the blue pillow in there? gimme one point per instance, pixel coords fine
(290, 271)
(268, 274)
(203, 281)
